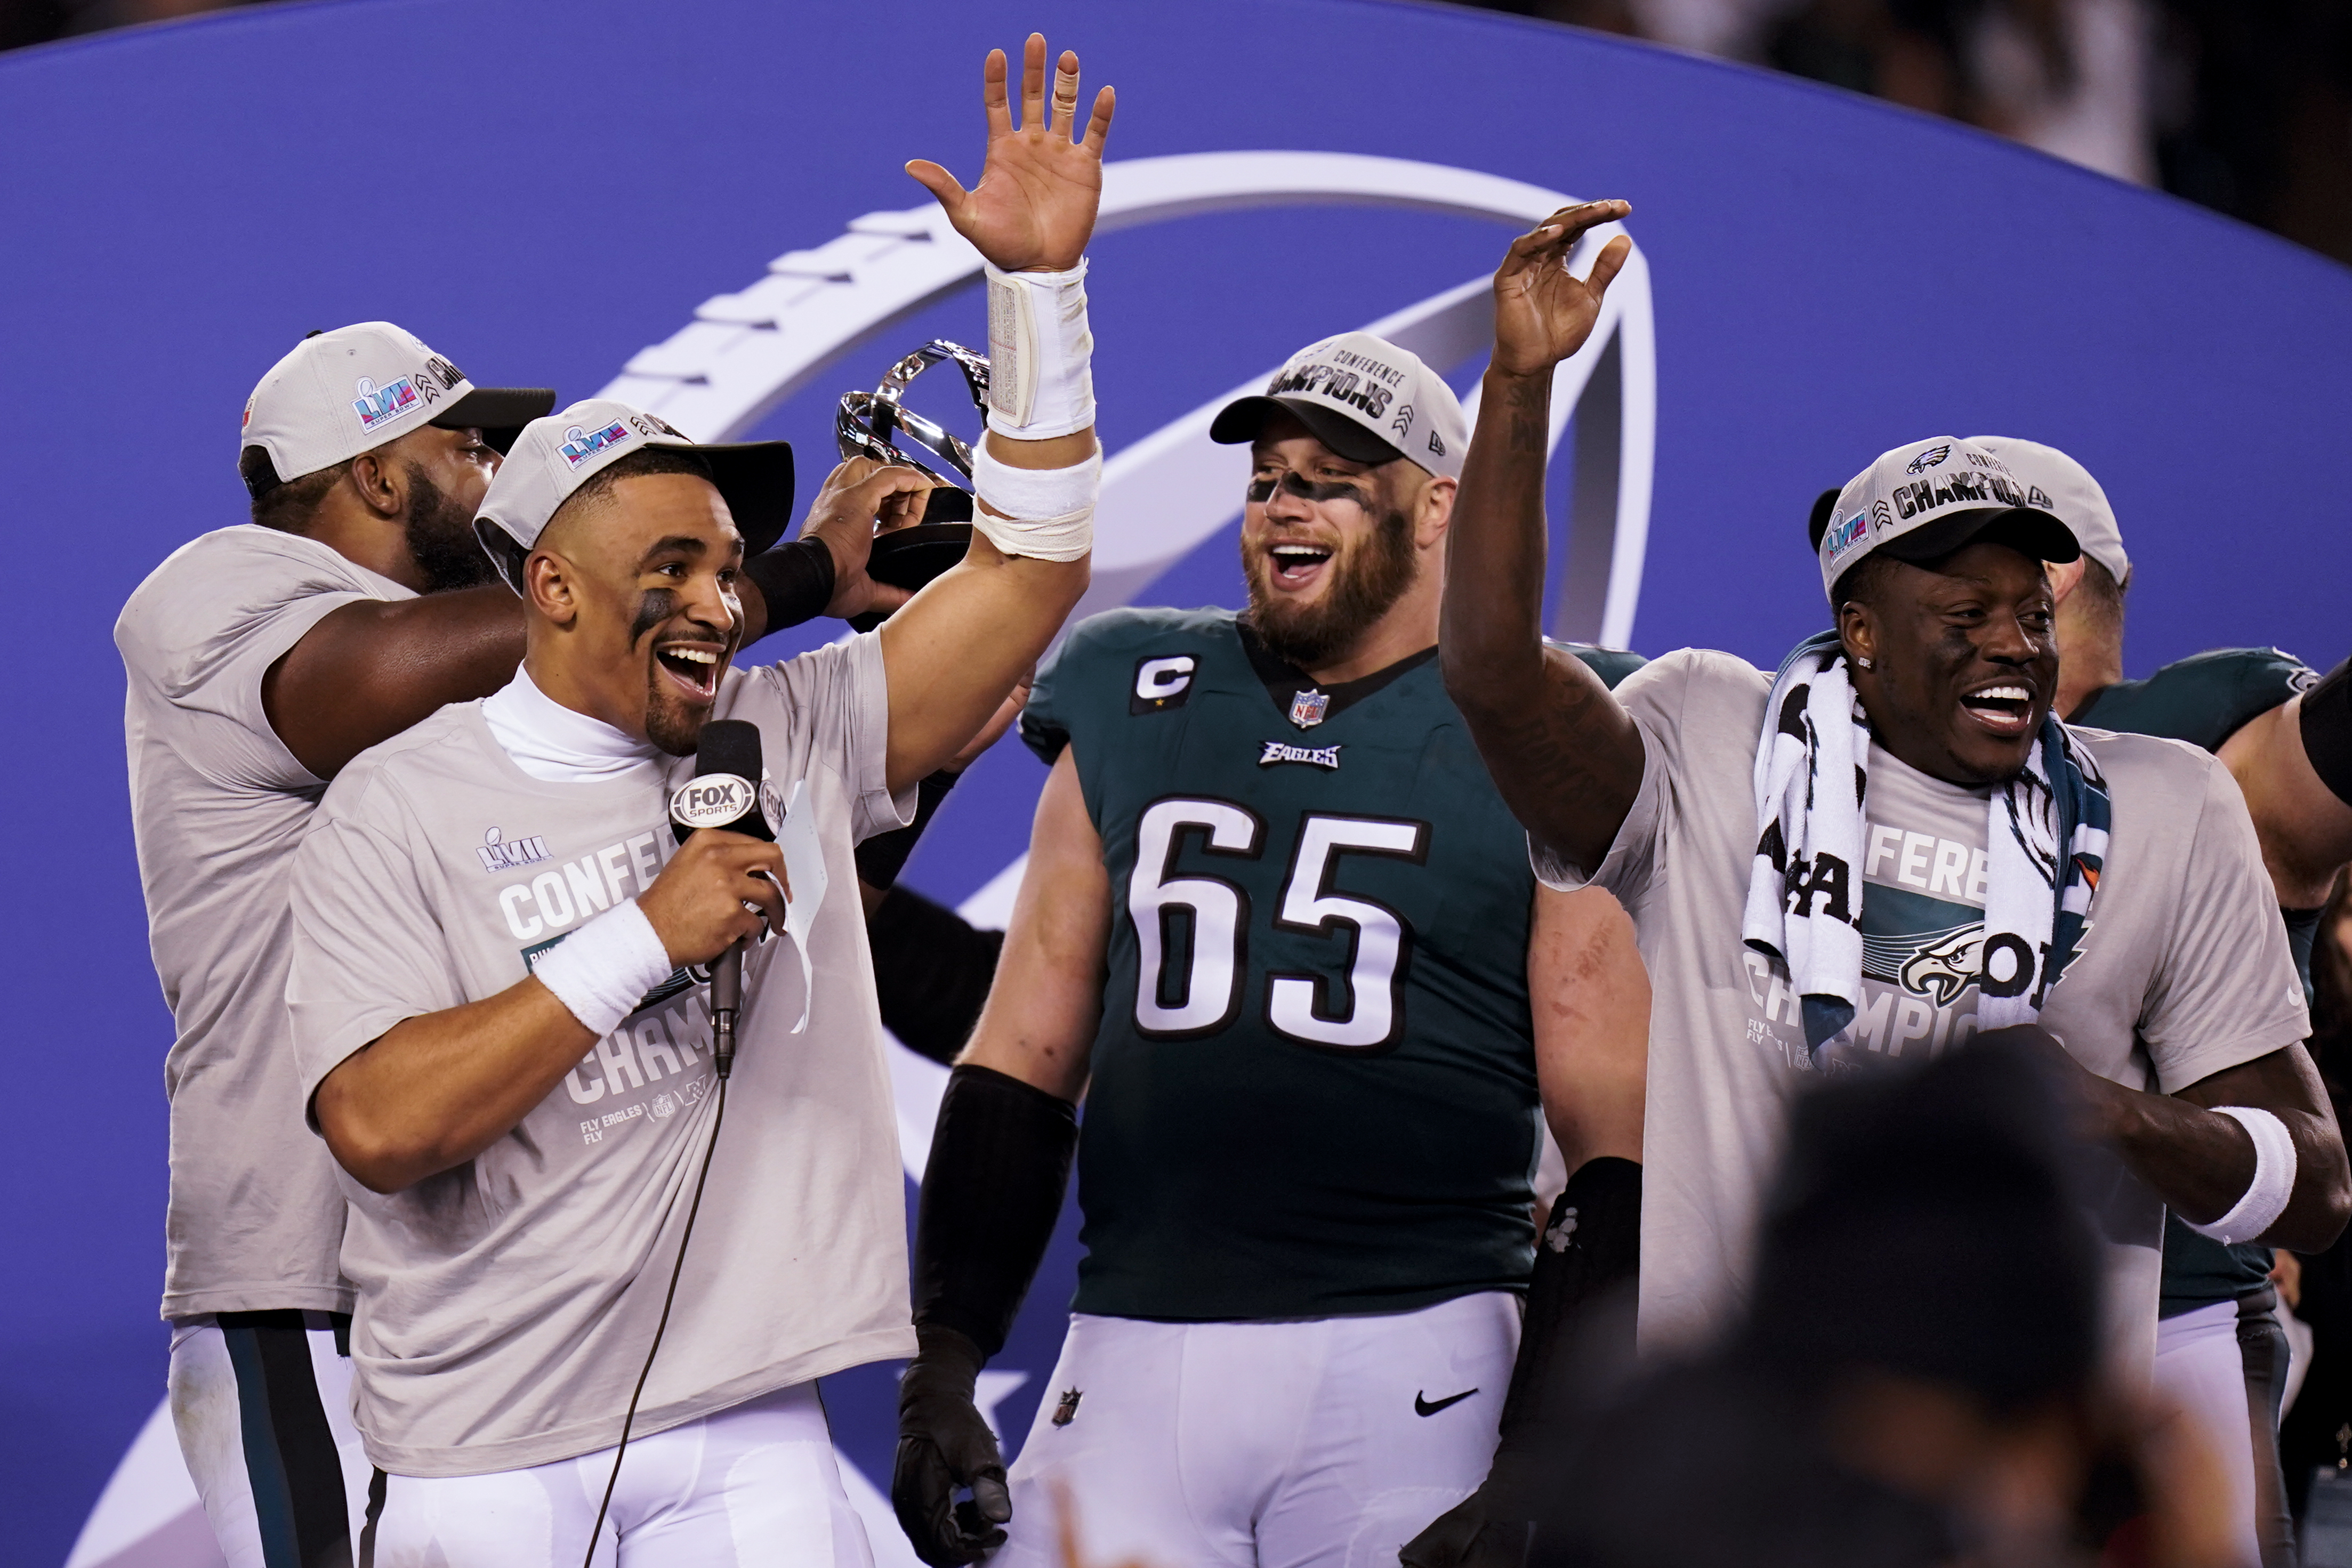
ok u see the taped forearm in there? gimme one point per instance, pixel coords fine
(1041, 388)
(1046, 514)
(1040, 353)
(992, 1191)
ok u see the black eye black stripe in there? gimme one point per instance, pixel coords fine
(1261, 489)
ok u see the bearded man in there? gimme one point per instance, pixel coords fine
(1276, 925)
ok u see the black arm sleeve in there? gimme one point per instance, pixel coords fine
(1578, 1323)
(883, 856)
(1000, 1162)
(932, 969)
(796, 579)
(2327, 723)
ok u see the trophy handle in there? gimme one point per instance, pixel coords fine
(869, 422)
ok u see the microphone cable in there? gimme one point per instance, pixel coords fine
(718, 1119)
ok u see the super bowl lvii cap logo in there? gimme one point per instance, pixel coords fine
(375, 404)
(579, 446)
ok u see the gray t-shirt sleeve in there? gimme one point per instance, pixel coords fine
(834, 703)
(1634, 853)
(205, 629)
(1687, 698)
(2227, 991)
(369, 951)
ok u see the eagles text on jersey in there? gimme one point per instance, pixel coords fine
(1313, 1086)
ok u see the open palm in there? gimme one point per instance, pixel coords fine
(1034, 205)
(1543, 312)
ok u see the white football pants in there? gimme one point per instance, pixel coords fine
(2224, 1367)
(263, 1410)
(1320, 1444)
(754, 1486)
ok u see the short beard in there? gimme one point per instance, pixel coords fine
(669, 724)
(1371, 580)
(441, 539)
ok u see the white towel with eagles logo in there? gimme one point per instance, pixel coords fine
(2046, 843)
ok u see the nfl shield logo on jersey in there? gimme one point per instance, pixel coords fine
(1306, 708)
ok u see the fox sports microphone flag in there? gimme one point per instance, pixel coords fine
(730, 789)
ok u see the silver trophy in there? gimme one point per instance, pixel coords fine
(873, 424)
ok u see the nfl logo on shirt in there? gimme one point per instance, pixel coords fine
(1306, 708)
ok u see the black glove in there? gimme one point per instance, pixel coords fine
(944, 1444)
(1463, 1537)
(1586, 1257)
(999, 1160)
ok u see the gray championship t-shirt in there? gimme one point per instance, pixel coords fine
(506, 1305)
(2183, 972)
(217, 806)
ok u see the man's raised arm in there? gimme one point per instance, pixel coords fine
(960, 645)
(1562, 751)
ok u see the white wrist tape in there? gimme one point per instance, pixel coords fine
(2274, 1182)
(603, 970)
(1049, 512)
(1041, 379)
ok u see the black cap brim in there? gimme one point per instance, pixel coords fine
(499, 413)
(1818, 523)
(1241, 419)
(2026, 530)
(756, 480)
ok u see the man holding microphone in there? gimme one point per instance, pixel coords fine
(259, 659)
(497, 988)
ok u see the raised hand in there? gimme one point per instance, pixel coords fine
(1543, 313)
(1033, 208)
(860, 498)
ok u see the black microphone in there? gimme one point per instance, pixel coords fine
(729, 792)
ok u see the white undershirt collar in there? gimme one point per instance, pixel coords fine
(556, 744)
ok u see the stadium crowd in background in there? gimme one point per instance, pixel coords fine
(2243, 106)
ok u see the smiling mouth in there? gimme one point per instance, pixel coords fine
(1295, 566)
(2005, 710)
(694, 668)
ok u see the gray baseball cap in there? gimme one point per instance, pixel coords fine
(350, 391)
(554, 456)
(2057, 482)
(1364, 398)
(1921, 502)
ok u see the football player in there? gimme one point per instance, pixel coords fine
(2220, 1351)
(1278, 929)
(260, 659)
(1894, 843)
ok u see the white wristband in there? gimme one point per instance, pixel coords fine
(1041, 379)
(2274, 1184)
(603, 970)
(1049, 512)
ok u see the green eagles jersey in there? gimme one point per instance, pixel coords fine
(2204, 699)
(1314, 1087)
